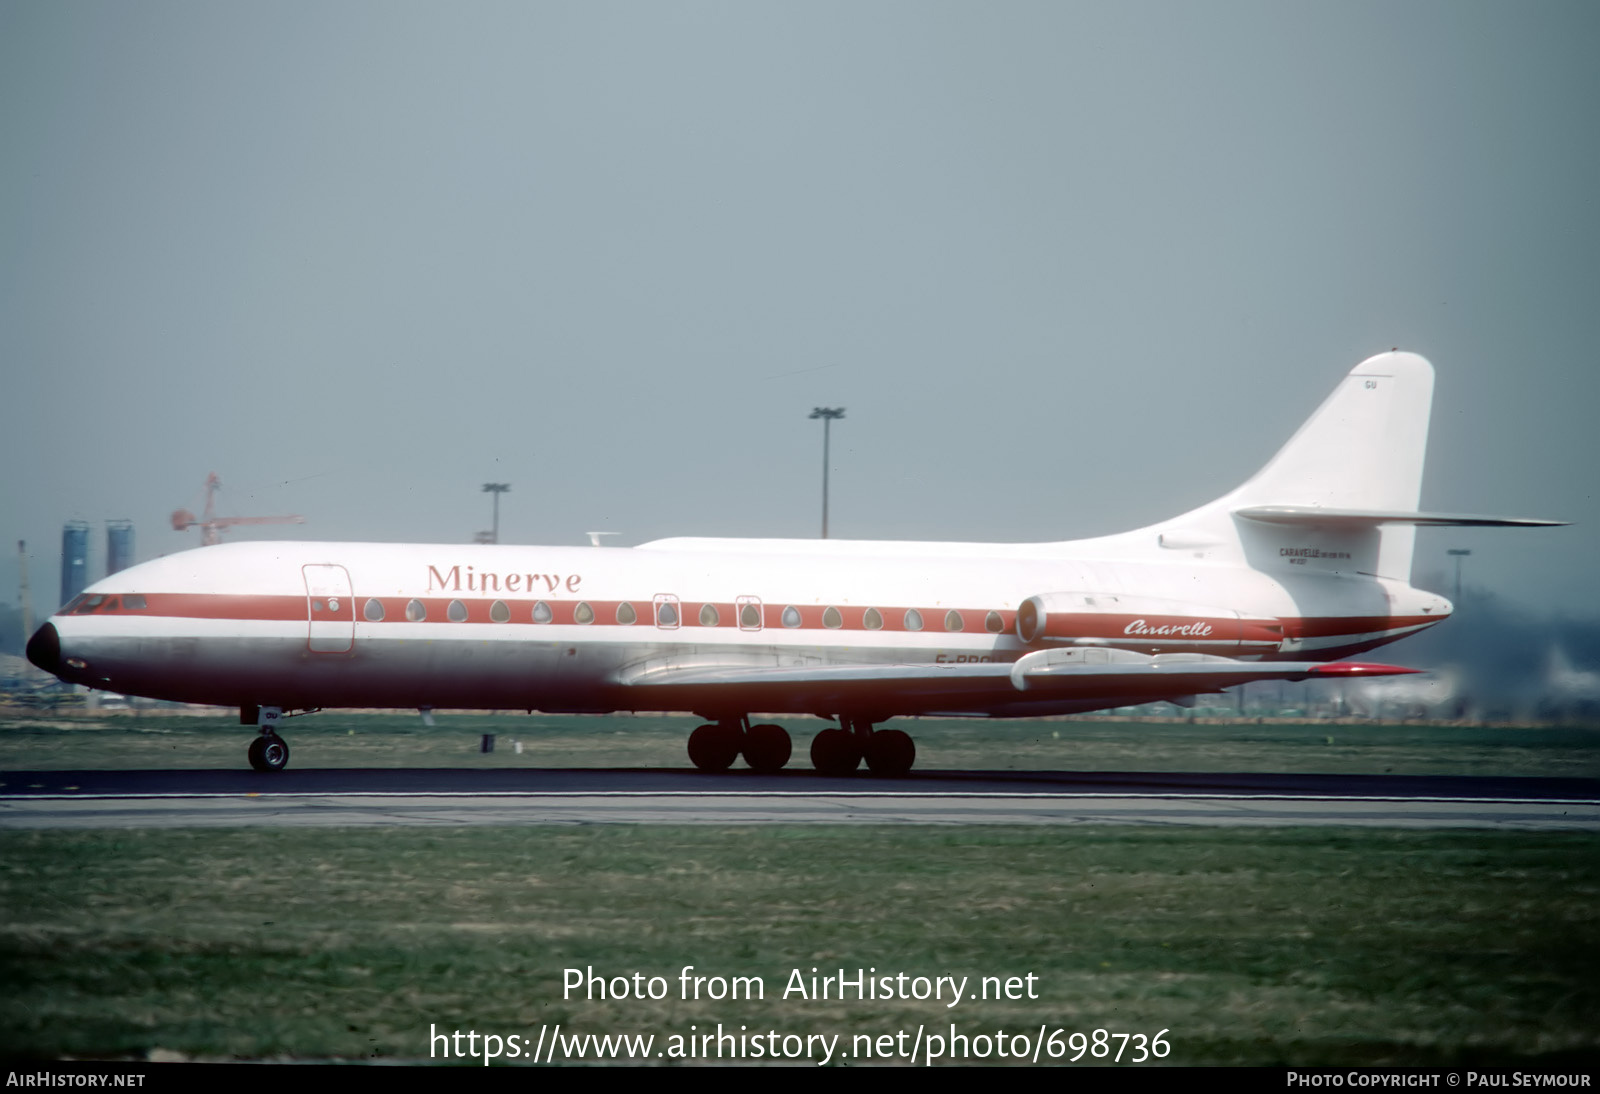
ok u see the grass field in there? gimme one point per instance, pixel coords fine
(1291, 946)
(339, 739)
(1303, 946)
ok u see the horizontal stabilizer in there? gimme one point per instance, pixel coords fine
(1307, 514)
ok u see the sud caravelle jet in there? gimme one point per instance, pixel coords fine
(1307, 562)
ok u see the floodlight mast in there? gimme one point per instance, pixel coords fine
(1458, 553)
(496, 488)
(827, 414)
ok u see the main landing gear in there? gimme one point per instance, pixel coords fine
(766, 748)
(889, 752)
(268, 752)
(836, 751)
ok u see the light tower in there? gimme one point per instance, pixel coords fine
(827, 414)
(496, 488)
(1458, 554)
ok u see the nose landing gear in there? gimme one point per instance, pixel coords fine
(268, 752)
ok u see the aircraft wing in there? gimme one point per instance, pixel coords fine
(1086, 677)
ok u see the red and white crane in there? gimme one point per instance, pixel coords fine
(211, 525)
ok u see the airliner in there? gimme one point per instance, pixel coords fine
(1306, 564)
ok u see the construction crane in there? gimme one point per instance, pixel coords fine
(211, 525)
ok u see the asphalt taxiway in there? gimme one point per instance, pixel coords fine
(451, 797)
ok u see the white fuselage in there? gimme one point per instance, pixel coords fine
(562, 629)
(1307, 561)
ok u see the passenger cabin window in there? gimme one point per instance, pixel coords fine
(666, 609)
(499, 613)
(583, 613)
(373, 611)
(872, 620)
(709, 616)
(415, 612)
(791, 616)
(457, 612)
(832, 619)
(993, 623)
(542, 612)
(626, 615)
(952, 620)
(749, 613)
(913, 619)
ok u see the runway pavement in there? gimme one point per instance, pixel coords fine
(434, 796)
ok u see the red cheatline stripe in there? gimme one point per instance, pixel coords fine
(295, 609)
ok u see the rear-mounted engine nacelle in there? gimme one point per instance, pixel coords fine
(1144, 623)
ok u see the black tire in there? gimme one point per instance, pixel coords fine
(767, 748)
(269, 752)
(890, 753)
(835, 752)
(714, 747)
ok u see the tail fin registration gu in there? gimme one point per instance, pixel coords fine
(1302, 566)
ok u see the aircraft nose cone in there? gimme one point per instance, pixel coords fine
(44, 648)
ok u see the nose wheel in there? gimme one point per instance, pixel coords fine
(269, 752)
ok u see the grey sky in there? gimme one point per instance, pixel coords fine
(1071, 268)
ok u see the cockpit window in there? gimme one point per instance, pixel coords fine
(73, 605)
(134, 602)
(92, 604)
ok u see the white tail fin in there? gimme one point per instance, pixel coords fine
(1362, 449)
(1337, 495)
